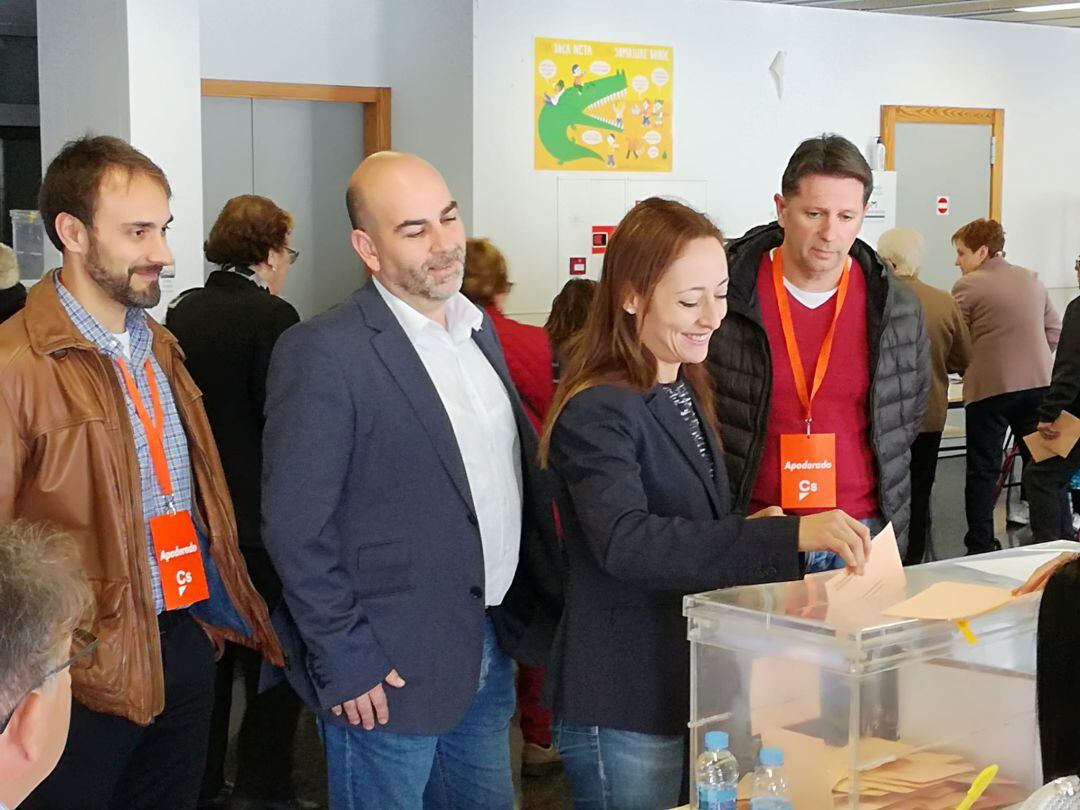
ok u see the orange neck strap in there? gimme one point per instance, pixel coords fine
(806, 397)
(155, 428)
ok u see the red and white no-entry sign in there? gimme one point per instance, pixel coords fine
(942, 206)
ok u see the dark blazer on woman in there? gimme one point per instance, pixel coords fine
(644, 524)
(227, 330)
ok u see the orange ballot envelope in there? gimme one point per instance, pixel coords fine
(854, 601)
(884, 570)
(952, 601)
(1041, 449)
(1069, 427)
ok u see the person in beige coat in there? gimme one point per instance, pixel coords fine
(1014, 330)
(950, 351)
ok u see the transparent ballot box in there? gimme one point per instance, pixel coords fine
(870, 711)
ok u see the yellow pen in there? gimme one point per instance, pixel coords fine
(981, 783)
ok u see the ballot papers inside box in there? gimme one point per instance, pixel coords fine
(871, 711)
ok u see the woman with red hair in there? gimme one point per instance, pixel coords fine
(646, 510)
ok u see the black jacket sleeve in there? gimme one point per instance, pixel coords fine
(281, 318)
(1065, 383)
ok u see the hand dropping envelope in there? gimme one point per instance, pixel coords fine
(855, 600)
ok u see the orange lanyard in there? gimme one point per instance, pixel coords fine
(797, 371)
(154, 428)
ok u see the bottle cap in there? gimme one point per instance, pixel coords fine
(772, 757)
(716, 740)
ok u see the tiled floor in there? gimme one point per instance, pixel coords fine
(551, 792)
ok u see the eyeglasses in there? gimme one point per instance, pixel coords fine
(83, 644)
(293, 255)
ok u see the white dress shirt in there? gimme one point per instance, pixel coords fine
(483, 421)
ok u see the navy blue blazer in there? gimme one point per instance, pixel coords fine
(369, 520)
(643, 524)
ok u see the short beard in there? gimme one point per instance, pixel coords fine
(418, 282)
(120, 290)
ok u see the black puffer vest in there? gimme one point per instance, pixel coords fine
(740, 362)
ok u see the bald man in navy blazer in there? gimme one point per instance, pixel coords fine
(404, 512)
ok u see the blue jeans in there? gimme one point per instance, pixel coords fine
(817, 561)
(469, 767)
(612, 769)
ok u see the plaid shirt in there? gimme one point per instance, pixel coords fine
(176, 449)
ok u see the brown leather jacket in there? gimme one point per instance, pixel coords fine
(67, 455)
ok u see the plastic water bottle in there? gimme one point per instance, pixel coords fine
(877, 156)
(769, 788)
(716, 774)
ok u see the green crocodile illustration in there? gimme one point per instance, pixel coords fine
(571, 109)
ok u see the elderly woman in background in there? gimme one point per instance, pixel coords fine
(227, 330)
(1014, 329)
(950, 351)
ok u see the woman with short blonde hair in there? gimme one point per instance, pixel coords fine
(903, 250)
(950, 351)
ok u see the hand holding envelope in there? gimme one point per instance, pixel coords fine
(856, 601)
(838, 532)
(1065, 430)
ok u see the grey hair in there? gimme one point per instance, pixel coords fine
(902, 249)
(44, 596)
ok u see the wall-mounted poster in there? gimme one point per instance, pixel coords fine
(602, 106)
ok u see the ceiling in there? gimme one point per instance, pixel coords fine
(996, 10)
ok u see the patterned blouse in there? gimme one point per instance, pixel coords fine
(680, 395)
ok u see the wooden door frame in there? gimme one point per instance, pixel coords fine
(376, 101)
(995, 118)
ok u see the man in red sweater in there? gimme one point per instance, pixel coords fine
(822, 363)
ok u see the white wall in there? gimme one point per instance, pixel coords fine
(107, 67)
(166, 115)
(733, 131)
(80, 89)
(421, 49)
(82, 71)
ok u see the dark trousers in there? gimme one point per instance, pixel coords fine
(265, 743)
(987, 421)
(1047, 488)
(924, 455)
(113, 764)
